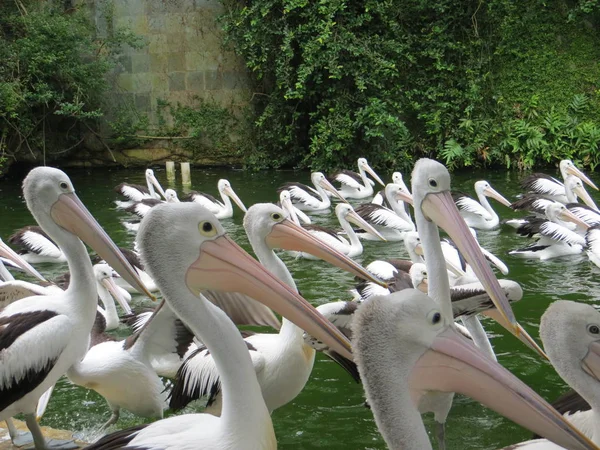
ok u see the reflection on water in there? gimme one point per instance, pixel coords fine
(330, 412)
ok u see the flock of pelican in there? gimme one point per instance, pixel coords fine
(411, 334)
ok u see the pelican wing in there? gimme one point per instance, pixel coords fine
(534, 203)
(134, 192)
(243, 310)
(198, 377)
(118, 439)
(585, 213)
(466, 204)
(382, 217)
(592, 239)
(559, 233)
(11, 291)
(34, 240)
(140, 209)
(301, 193)
(206, 200)
(30, 344)
(540, 183)
(349, 179)
(471, 298)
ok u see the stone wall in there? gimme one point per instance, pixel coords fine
(182, 55)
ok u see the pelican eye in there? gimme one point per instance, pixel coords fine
(276, 217)
(64, 185)
(434, 317)
(432, 182)
(593, 329)
(207, 229)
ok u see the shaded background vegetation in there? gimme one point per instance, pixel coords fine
(511, 84)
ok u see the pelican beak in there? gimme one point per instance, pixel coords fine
(423, 286)
(522, 335)
(111, 287)
(591, 362)
(354, 218)
(583, 195)
(492, 193)
(457, 271)
(157, 185)
(440, 208)
(289, 236)
(325, 184)
(231, 194)
(224, 266)
(572, 170)
(13, 256)
(453, 364)
(374, 175)
(405, 196)
(570, 217)
(69, 213)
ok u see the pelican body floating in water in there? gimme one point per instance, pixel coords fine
(222, 209)
(306, 198)
(357, 185)
(480, 215)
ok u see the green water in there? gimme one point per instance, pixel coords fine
(329, 413)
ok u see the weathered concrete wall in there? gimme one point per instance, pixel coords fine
(182, 55)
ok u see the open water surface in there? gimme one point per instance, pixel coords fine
(330, 412)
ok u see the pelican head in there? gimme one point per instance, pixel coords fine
(397, 192)
(568, 168)
(318, 179)
(105, 277)
(271, 224)
(571, 335)
(574, 184)
(398, 179)
(418, 276)
(484, 188)
(344, 211)
(225, 188)
(51, 198)
(434, 203)
(558, 211)
(201, 257)
(364, 165)
(428, 354)
(152, 180)
(171, 196)
(412, 243)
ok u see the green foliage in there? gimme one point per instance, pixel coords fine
(493, 83)
(53, 82)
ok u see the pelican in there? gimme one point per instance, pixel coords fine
(306, 198)
(381, 199)
(592, 242)
(296, 215)
(557, 235)
(405, 347)
(570, 332)
(36, 246)
(42, 337)
(391, 222)
(282, 361)
(550, 187)
(204, 258)
(221, 209)
(108, 292)
(345, 214)
(142, 207)
(480, 215)
(357, 185)
(137, 193)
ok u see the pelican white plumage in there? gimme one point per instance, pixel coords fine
(282, 362)
(296, 215)
(480, 214)
(393, 222)
(352, 246)
(592, 242)
(570, 332)
(204, 258)
(405, 347)
(36, 246)
(137, 193)
(306, 198)
(142, 207)
(108, 292)
(42, 337)
(357, 185)
(557, 235)
(222, 209)
(550, 187)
